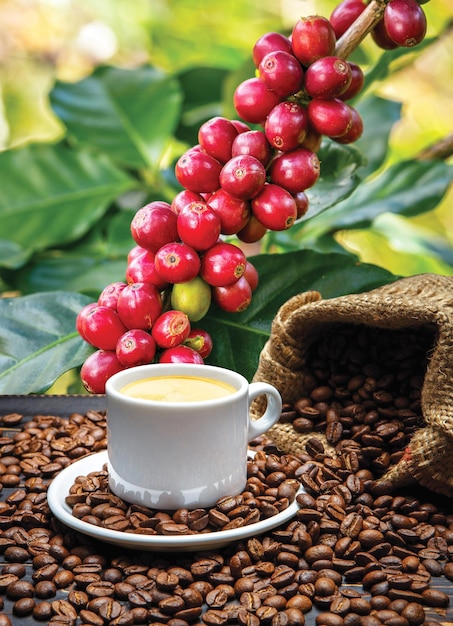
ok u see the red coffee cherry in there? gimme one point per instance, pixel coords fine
(181, 354)
(243, 176)
(313, 37)
(286, 126)
(135, 347)
(281, 72)
(102, 327)
(82, 315)
(142, 269)
(171, 329)
(327, 77)
(381, 37)
(197, 171)
(222, 265)
(233, 213)
(177, 262)
(405, 22)
(233, 298)
(254, 143)
(154, 225)
(200, 341)
(355, 131)
(216, 137)
(296, 170)
(198, 225)
(330, 117)
(139, 305)
(344, 14)
(185, 197)
(251, 274)
(270, 42)
(110, 294)
(357, 80)
(98, 368)
(274, 207)
(253, 100)
(253, 231)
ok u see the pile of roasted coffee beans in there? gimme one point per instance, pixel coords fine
(356, 553)
(268, 492)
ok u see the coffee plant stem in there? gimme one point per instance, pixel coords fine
(360, 28)
(442, 149)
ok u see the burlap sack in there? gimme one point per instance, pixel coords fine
(413, 302)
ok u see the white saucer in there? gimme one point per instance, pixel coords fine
(59, 489)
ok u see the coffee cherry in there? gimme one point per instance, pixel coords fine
(405, 22)
(274, 207)
(344, 14)
(197, 171)
(139, 305)
(170, 329)
(192, 297)
(222, 265)
(240, 126)
(233, 298)
(181, 354)
(270, 42)
(253, 231)
(312, 140)
(135, 347)
(109, 295)
(81, 316)
(381, 37)
(154, 225)
(102, 327)
(200, 341)
(98, 368)
(243, 176)
(177, 262)
(142, 269)
(253, 100)
(357, 80)
(354, 132)
(312, 38)
(134, 252)
(216, 137)
(296, 170)
(286, 126)
(233, 213)
(251, 274)
(330, 117)
(254, 143)
(327, 77)
(198, 225)
(184, 197)
(281, 72)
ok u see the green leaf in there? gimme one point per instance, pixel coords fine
(86, 274)
(203, 93)
(128, 114)
(51, 195)
(239, 338)
(38, 340)
(338, 177)
(379, 116)
(406, 188)
(12, 255)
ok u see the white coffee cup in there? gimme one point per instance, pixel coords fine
(182, 454)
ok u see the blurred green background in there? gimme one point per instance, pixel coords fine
(44, 40)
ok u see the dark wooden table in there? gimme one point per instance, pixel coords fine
(63, 406)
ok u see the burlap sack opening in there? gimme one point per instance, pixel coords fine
(418, 302)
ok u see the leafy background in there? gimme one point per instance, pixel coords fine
(100, 98)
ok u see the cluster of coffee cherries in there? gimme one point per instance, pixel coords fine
(178, 265)
(243, 178)
(403, 23)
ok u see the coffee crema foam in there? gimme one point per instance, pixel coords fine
(178, 389)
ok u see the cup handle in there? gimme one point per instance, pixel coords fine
(273, 410)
